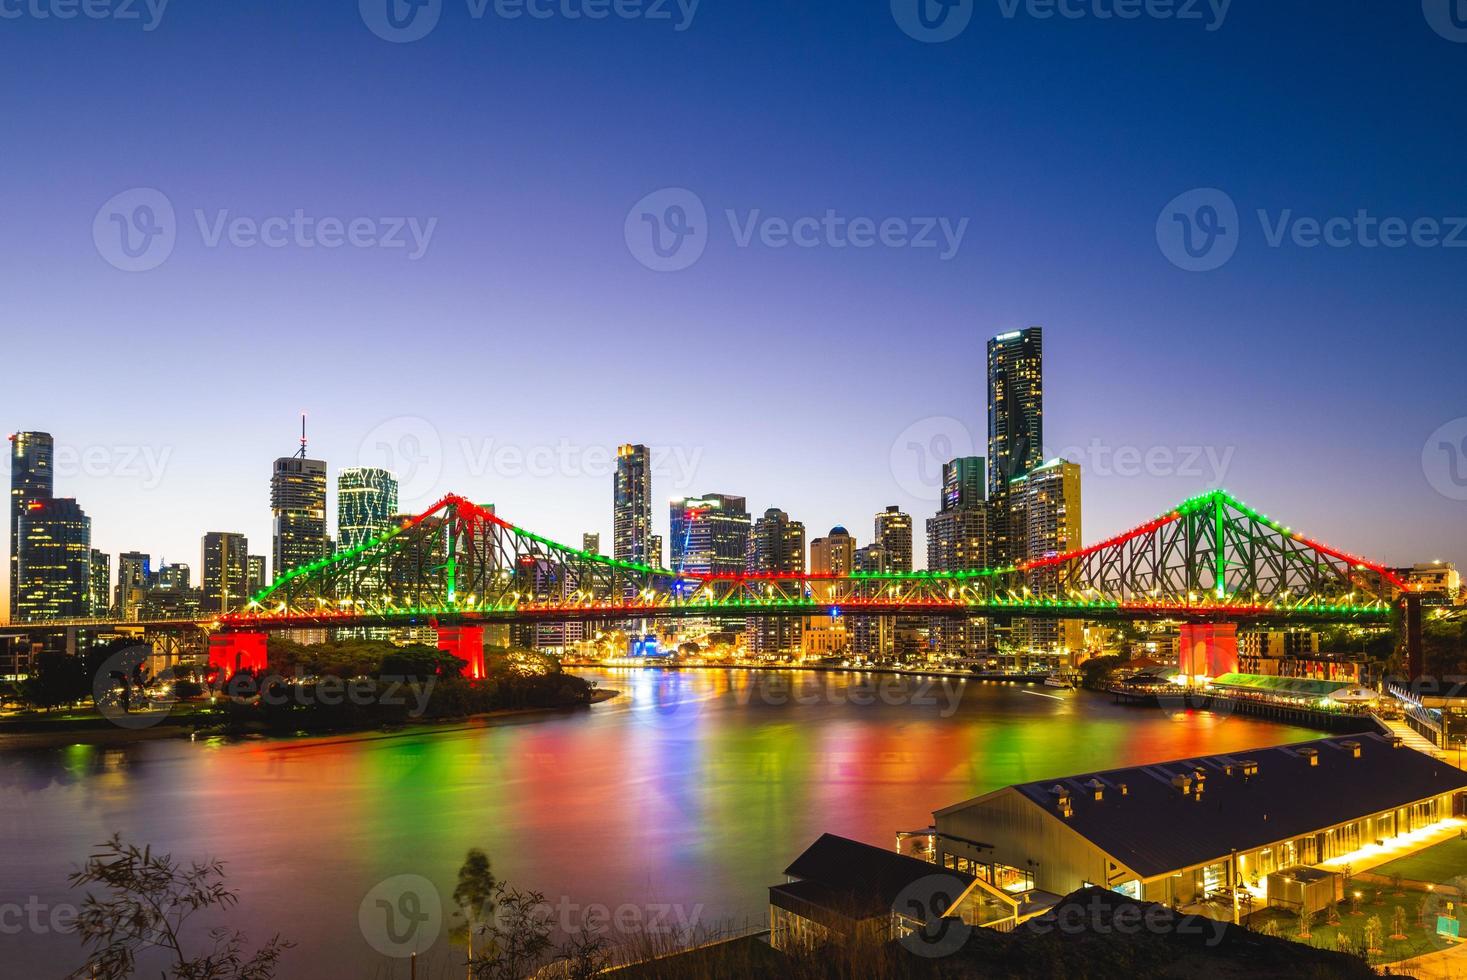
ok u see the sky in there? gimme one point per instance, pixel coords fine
(768, 240)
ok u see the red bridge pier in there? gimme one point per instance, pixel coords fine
(467, 644)
(1208, 649)
(233, 652)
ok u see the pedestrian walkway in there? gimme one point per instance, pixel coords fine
(1413, 740)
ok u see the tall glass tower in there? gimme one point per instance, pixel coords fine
(1015, 429)
(366, 499)
(298, 503)
(55, 568)
(632, 505)
(32, 477)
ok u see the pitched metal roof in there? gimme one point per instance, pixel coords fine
(1154, 828)
(863, 875)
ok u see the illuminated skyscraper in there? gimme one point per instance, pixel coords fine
(1015, 427)
(55, 567)
(298, 503)
(957, 540)
(32, 477)
(366, 499)
(962, 483)
(631, 538)
(894, 535)
(100, 597)
(834, 554)
(226, 571)
(591, 543)
(710, 534)
(1047, 505)
(776, 546)
(257, 580)
(134, 576)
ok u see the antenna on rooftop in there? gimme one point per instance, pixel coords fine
(302, 453)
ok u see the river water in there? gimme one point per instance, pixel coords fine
(679, 802)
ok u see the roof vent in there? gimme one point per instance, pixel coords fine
(1062, 800)
(1123, 788)
(1097, 787)
(1250, 768)
(1351, 746)
(1397, 741)
(1183, 783)
(1311, 754)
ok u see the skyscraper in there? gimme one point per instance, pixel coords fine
(710, 534)
(957, 540)
(1015, 426)
(54, 572)
(871, 636)
(1048, 504)
(134, 575)
(631, 538)
(894, 535)
(776, 546)
(962, 483)
(226, 570)
(32, 477)
(366, 499)
(100, 598)
(298, 504)
(591, 543)
(257, 580)
(834, 554)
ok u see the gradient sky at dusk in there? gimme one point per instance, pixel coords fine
(796, 377)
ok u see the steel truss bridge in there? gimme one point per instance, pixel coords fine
(1211, 559)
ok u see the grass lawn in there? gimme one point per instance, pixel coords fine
(1379, 901)
(1438, 864)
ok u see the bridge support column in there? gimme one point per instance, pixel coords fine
(467, 644)
(1415, 661)
(233, 652)
(1208, 649)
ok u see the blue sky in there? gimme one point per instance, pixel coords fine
(1313, 382)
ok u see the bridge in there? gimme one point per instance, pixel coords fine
(459, 566)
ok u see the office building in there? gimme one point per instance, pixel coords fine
(1046, 512)
(32, 477)
(834, 554)
(99, 599)
(591, 543)
(54, 573)
(776, 547)
(1439, 583)
(256, 573)
(894, 535)
(631, 538)
(225, 561)
(957, 540)
(366, 499)
(298, 506)
(134, 575)
(710, 534)
(1015, 426)
(963, 484)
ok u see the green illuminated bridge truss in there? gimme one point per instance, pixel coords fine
(1210, 559)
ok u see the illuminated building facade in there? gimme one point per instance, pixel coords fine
(1015, 426)
(631, 536)
(776, 546)
(226, 572)
(298, 506)
(99, 598)
(134, 573)
(710, 534)
(32, 477)
(591, 543)
(54, 573)
(834, 554)
(366, 499)
(1047, 511)
(256, 574)
(957, 540)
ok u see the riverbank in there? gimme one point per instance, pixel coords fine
(95, 729)
(968, 675)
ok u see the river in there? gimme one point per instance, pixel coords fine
(680, 801)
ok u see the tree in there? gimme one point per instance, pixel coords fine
(1332, 914)
(584, 957)
(1305, 920)
(146, 902)
(57, 680)
(474, 893)
(1398, 923)
(1270, 928)
(1374, 934)
(519, 937)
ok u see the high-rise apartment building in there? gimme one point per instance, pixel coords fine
(225, 561)
(54, 571)
(32, 477)
(99, 599)
(894, 535)
(298, 506)
(776, 547)
(134, 576)
(1047, 511)
(834, 554)
(1015, 427)
(710, 534)
(631, 538)
(963, 483)
(957, 540)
